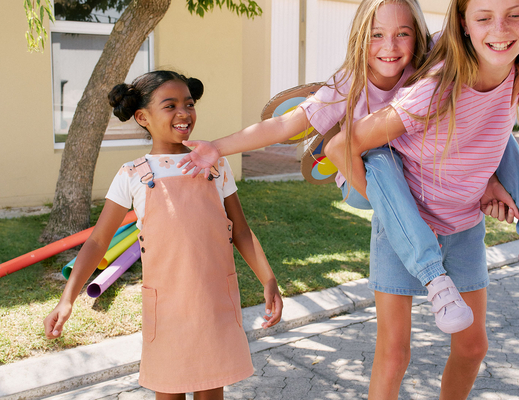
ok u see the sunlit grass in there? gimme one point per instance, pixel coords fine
(311, 238)
(343, 206)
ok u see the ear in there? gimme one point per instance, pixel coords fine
(464, 25)
(141, 119)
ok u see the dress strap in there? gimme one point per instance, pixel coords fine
(144, 171)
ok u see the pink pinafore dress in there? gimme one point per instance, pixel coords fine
(192, 332)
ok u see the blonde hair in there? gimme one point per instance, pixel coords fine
(460, 67)
(356, 65)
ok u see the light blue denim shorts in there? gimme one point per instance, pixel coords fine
(463, 253)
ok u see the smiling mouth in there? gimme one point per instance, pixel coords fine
(502, 46)
(181, 127)
(389, 59)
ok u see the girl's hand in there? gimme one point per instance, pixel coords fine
(56, 319)
(497, 202)
(499, 210)
(273, 304)
(204, 156)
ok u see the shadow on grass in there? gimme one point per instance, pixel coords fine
(130, 277)
(311, 244)
(310, 241)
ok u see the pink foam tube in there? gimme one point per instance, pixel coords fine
(114, 271)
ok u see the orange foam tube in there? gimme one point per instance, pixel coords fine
(52, 249)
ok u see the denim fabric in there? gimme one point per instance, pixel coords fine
(354, 199)
(412, 239)
(508, 170)
(463, 255)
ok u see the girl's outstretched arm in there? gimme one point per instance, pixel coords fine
(251, 251)
(87, 261)
(264, 133)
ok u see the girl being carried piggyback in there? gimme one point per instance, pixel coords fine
(451, 128)
(388, 41)
(193, 339)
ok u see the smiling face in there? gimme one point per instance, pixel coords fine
(170, 118)
(493, 27)
(392, 44)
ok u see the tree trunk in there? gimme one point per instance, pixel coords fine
(71, 207)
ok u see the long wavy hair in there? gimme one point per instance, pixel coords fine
(460, 67)
(355, 66)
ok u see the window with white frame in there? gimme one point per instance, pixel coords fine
(78, 37)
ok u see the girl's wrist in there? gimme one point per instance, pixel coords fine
(271, 281)
(218, 150)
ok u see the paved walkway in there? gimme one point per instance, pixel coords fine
(332, 359)
(277, 162)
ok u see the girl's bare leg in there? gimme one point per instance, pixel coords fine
(170, 396)
(393, 348)
(213, 394)
(468, 349)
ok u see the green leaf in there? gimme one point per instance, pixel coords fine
(36, 34)
(248, 7)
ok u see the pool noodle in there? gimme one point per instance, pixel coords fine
(52, 249)
(118, 249)
(114, 271)
(120, 234)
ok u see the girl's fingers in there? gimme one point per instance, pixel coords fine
(510, 216)
(53, 326)
(278, 309)
(501, 212)
(495, 209)
(186, 159)
(268, 306)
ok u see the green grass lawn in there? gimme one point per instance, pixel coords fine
(312, 240)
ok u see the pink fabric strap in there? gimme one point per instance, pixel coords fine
(144, 171)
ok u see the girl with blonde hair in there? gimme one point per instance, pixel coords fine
(451, 128)
(388, 41)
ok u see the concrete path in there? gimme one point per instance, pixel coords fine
(332, 359)
(329, 359)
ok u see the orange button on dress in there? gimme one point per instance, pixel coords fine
(192, 331)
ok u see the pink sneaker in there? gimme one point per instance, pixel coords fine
(451, 313)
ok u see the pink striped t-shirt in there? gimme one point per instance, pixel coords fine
(328, 106)
(484, 121)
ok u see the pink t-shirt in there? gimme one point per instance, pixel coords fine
(323, 115)
(484, 121)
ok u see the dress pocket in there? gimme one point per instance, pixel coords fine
(149, 312)
(234, 294)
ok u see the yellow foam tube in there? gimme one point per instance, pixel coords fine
(118, 249)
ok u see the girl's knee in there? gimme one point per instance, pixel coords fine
(383, 159)
(472, 350)
(395, 358)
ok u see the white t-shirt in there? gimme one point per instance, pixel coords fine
(126, 187)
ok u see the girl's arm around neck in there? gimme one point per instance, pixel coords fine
(261, 134)
(87, 261)
(252, 252)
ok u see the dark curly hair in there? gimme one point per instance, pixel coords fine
(126, 99)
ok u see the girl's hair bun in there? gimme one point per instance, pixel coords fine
(196, 88)
(125, 101)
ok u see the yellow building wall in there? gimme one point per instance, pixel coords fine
(209, 48)
(256, 49)
(230, 54)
